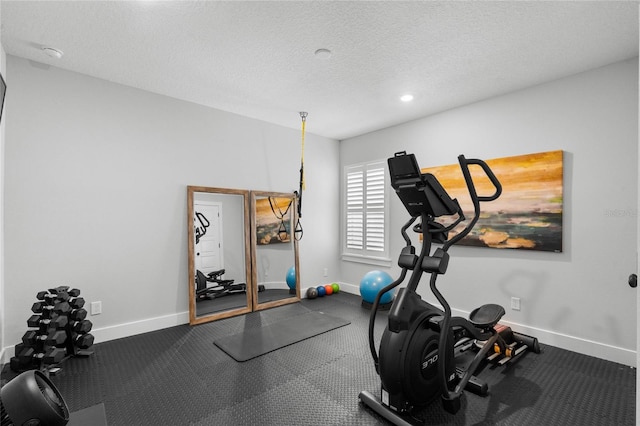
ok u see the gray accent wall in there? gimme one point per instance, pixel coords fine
(578, 299)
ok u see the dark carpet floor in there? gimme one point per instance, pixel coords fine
(177, 376)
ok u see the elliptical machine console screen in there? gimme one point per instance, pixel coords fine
(419, 192)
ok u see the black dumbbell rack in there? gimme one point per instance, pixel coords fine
(57, 330)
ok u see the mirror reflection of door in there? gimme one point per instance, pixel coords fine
(216, 291)
(274, 249)
(207, 225)
(218, 253)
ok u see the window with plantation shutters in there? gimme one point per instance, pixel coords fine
(365, 213)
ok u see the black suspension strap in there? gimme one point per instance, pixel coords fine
(298, 232)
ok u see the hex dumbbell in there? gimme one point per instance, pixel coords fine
(78, 314)
(76, 302)
(55, 306)
(61, 292)
(83, 341)
(49, 356)
(59, 322)
(54, 338)
(83, 326)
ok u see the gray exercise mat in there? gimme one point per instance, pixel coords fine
(261, 340)
(94, 416)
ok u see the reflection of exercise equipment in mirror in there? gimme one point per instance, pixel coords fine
(213, 285)
(218, 239)
(224, 279)
(220, 287)
(420, 352)
(274, 252)
(201, 223)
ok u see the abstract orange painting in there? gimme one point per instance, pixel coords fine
(528, 213)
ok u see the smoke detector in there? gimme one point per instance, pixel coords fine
(323, 53)
(53, 52)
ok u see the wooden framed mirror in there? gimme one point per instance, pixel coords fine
(274, 248)
(218, 240)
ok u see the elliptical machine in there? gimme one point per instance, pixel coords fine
(416, 362)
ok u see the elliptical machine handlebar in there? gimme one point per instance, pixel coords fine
(376, 302)
(464, 165)
(451, 397)
(475, 198)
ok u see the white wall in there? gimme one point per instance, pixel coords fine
(96, 177)
(577, 299)
(636, 271)
(3, 70)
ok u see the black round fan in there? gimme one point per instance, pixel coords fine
(31, 399)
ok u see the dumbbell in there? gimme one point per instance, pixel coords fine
(18, 348)
(48, 298)
(76, 302)
(38, 321)
(78, 314)
(45, 313)
(83, 341)
(83, 326)
(17, 365)
(61, 292)
(53, 338)
(55, 306)
(52, 294)
(50, 356)
(74, 292)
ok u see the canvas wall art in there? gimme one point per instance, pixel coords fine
(528, 214)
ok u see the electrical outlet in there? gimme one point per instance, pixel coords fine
(515, 303)
(325, 272)
(96, 308)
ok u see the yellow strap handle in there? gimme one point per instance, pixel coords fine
(303, 115)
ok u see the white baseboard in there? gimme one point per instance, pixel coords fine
(270, 285)
(119, 331)
(577, 344)
(138, 327)
(571, 343)
(345, 287)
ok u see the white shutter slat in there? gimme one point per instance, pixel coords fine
(374, 208)
(355, 209)
(365, 208)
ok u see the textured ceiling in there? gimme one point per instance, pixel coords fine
(257, 58)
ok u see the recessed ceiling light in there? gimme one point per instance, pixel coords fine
(406, 98)
(53, 52)
(323, 53)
